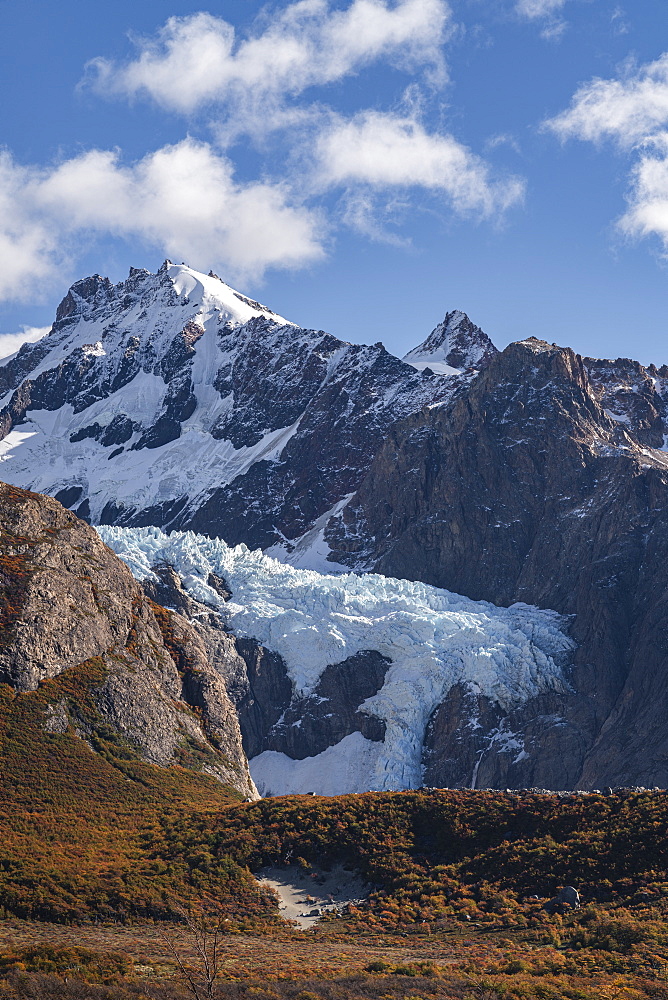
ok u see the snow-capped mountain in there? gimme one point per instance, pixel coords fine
(456, 345)
(408, 645)
(528, 475)
(172, 399)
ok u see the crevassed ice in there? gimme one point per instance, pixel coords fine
(434, 638)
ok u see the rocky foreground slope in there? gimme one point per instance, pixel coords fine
(67, 604)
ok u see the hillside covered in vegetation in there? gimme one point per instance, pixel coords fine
(105, 850)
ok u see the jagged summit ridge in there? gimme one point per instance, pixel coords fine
(453, 346)
(90, 296)
(172, 399)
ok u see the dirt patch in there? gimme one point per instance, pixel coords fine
(305, 895)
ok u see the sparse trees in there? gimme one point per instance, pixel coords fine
(205, 932)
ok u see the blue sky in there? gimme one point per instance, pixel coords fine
(361, 166)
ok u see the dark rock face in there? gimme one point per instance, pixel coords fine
(471, 743)
(261, 693)
(632, 395)
(524, 489)
(66, 599)
(273, 717)
(322, 719)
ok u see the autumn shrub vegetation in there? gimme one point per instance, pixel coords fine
(82, 821)
(92, 835)
(89, 829)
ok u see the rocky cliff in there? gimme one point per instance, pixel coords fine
(537, 485)
(68, 605)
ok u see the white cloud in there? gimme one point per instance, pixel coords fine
(387, 151)
(183, 199)
(28, 244)
(626, 110)
(632, 112)
(546, 11)
(367, 213)
(538, 8)
(648, 200)
(503, 139)
(197, 61)
(10, 342)
(618, 22)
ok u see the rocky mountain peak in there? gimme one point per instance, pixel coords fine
(84, 296)
(173, 286)
(537, 345)
(185, 403)
(453, 346)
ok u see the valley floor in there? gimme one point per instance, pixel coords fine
(556, 960)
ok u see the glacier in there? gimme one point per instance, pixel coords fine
(434, 639)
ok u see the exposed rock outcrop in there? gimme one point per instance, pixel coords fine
(66, 601)
(313, 722)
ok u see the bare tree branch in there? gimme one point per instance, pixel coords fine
(206, 933)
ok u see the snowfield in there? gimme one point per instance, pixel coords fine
(435, 639)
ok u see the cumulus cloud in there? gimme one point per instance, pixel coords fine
(632, 112)
(28, 243)
(186, 199)
(385, 151)
(626, 110)
(647, 214)
(197, 60)
(10, 342)
(183, 199)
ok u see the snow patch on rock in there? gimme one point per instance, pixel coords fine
(311, 550)
(353, 765)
